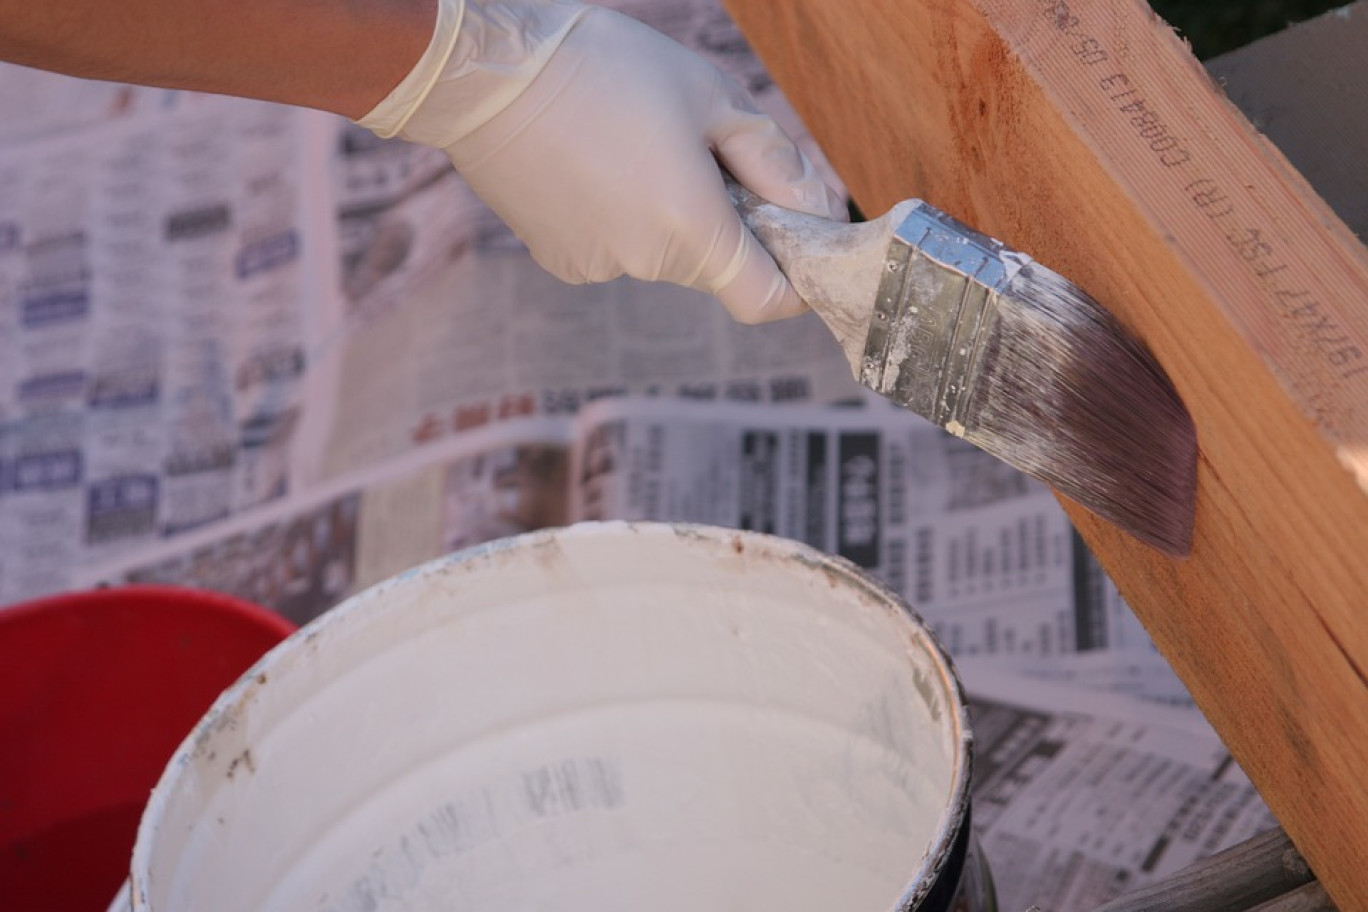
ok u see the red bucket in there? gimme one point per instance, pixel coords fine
(97, 689)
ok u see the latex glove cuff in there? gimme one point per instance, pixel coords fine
(481, 57)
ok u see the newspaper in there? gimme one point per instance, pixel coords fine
(986, 554)
(37, 103)
(303, 555)
(153, 275)
(1079, 796)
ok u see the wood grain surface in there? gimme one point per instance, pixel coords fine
(1084, 133)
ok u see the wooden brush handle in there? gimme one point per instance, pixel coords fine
(835, 266)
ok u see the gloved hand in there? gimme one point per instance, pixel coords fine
(597, 140)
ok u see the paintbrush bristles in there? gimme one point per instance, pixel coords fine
(1063, 393)
(995, 348)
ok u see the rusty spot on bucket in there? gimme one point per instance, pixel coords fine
(243, 759)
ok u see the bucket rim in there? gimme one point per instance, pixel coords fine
(941, 857)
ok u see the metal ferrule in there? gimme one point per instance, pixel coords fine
(936, 305)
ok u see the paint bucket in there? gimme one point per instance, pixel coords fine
(608, 716)
(96, 691)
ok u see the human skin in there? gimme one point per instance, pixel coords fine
(341, 56)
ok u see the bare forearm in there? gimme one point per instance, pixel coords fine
(336, 55)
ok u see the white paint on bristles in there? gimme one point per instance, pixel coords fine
(607, 717)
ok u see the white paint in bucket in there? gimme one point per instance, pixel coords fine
(611, 716)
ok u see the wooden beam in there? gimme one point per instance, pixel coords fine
(1084, 133)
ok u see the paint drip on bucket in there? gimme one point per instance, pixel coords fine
(609, 716)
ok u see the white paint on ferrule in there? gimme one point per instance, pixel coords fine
(610, 716)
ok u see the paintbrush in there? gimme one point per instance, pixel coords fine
(999, 350)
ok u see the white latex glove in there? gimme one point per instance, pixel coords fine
(597, 139)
